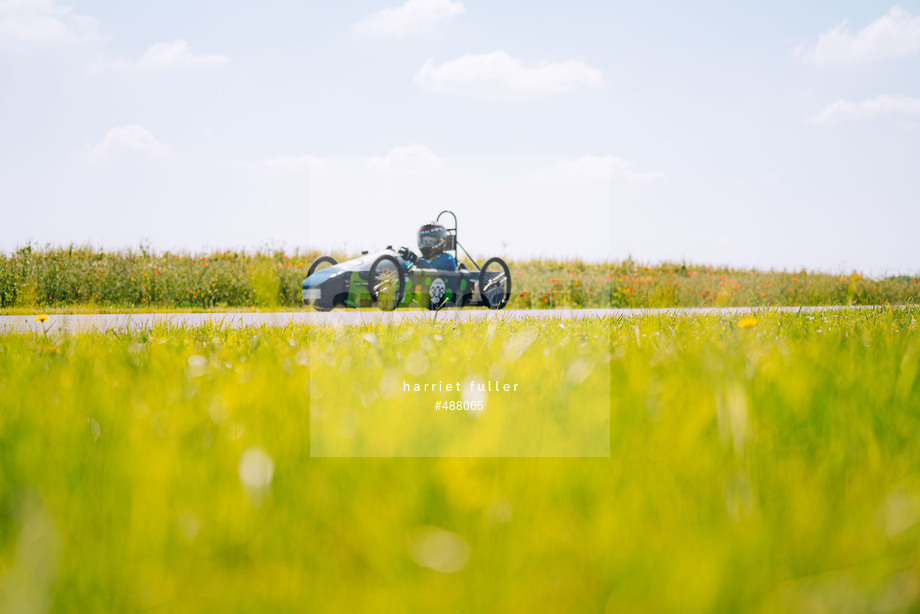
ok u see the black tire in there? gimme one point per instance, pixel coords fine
(320, 261)
(495, 283)
(386, 283)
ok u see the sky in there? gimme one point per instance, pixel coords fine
(780, 135)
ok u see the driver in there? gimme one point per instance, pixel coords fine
(432, 240)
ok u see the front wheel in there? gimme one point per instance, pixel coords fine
(385, 283)
(495, 283)
(321, 260)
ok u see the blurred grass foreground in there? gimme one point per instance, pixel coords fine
(83, 278)
(759, 464)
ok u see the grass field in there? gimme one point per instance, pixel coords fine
(764, 464)
(88, 280)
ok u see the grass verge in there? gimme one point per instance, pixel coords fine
(762, 465)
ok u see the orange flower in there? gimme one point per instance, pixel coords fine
(158, 271)
(205, 264)
(203, 258)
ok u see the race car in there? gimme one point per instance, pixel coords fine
(386, 280)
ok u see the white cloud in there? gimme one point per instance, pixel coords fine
(171, 55)
(842, 110)
(413, 16)
(596, 168)
(894, 35)
(43, 22)
(295, 164)
(497, 76)
(134, 140)
(408, 160)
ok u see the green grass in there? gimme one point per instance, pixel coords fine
(83, 279)
(757, 467)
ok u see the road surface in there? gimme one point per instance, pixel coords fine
(141, 321)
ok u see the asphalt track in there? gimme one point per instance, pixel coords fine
(141, 321)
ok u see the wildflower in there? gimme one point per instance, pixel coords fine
(41, 318)
(747, 322)
(158, 271)
(203, 258)
(205, 264)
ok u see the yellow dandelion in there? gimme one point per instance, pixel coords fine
(41, 318)
(747, 322)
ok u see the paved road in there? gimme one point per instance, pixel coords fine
(140, 321)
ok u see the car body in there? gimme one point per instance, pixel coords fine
(349, 284)
(385, 280)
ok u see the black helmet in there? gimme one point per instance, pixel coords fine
(431, 239)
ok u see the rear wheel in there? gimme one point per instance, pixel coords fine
(385, 283)
(495, 283)
(329, 260)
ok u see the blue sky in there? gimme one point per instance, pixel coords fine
(776, 135)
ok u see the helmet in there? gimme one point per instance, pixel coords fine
(431, 239)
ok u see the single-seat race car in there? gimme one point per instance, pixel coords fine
(386, 280)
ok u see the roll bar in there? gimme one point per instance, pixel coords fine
(453, 243)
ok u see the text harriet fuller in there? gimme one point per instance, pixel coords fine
(474, 386)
